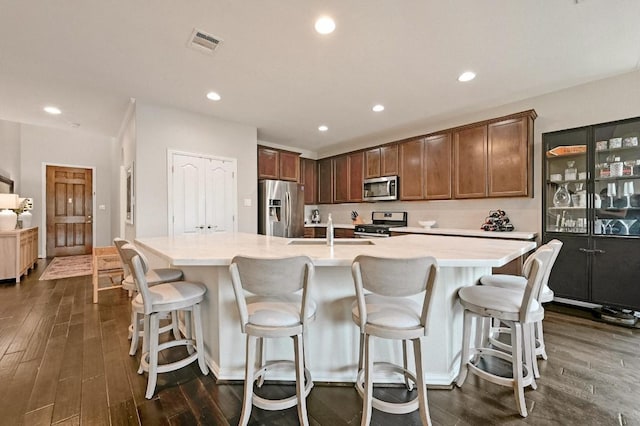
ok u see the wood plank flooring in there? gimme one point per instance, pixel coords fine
(64, 361)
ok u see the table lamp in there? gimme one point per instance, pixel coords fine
(8, 218)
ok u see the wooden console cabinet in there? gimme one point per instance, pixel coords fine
(18, 252)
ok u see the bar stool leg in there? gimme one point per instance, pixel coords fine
(368, 381)
(299, 361)
(145, 340)
(247, 399)
(153, 354)
(407, 380)
(175, 324)
(135, 333)
(464, 356)
(516, 353)
(422, 387)
(540, 340)
(529, 352)
(262, 355)
(197, 325)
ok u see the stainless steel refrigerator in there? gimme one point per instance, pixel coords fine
(280, 208)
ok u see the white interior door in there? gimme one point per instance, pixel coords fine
(202, 194)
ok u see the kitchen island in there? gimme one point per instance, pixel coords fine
(332, 339)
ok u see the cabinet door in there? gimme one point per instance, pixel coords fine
(470, 162)
(356, 170)
(325, 181)
(509, 158)
(389, 160)
(437, 167)
(616, 269)
(372, 168)
(341, 179)
(308, 179)
(411, 167)
(570, 274)
(268, 163)
(289, 166)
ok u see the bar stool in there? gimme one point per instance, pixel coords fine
(274, 308)
(154, 277)
(387, 312)
(161, 299)
(519, 282)
(519, 310)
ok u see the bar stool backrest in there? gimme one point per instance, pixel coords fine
(555, 245)
(534, 271)
(119, 242)
(139, 267)
(394, 277)
(270, 277)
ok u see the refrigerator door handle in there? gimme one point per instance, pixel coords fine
(287, 198)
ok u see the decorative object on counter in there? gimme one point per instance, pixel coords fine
(497, 221)
(427, 223)
(356, 219)
(8, 217)
(315, 216)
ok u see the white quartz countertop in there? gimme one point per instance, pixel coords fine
(220, 248)
(514, 235)
(335, 225)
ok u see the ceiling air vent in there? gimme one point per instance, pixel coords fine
(204, 42)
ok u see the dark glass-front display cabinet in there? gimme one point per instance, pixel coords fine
(591, 202)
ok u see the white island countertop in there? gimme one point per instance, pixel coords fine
(458, 232)
(219, 248)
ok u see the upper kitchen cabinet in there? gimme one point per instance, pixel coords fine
(278, 164)
(437, 167)
(470, 162)
(411, 161)
(356, 172)
(308, 178)
(510, 157)
(325, 181)
(381, 161)
(494, 158)
(341, 179)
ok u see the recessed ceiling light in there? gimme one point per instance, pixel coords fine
(325, 25)
(52, 110)
(378, 108)
(467, 76)
(213, 96)
(323, 128)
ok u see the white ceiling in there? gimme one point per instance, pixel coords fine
(274, 72)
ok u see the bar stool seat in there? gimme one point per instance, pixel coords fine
(387, 312)
(155, 302)
(269, 304)
(515, 282)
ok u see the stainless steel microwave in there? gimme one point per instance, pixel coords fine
(380, 189)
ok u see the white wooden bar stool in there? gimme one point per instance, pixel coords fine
(388, 312)
(519, 282)
(154, 277)
(273, 301)
(158, 300)
(519, 310)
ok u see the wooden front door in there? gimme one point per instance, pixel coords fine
(69, 211)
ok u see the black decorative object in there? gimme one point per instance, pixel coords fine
(497, 221)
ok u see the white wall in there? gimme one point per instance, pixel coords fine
(10, 152)
(68, 148)
(125, 159)
(601, 101)
(161, 128)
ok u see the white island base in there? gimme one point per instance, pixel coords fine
(332, 339)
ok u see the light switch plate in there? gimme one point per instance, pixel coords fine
(247, 202)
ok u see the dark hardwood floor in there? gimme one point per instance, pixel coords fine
(64, 361)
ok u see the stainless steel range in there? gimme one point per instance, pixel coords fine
(381, 225)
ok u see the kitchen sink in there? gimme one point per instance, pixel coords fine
(336, 242)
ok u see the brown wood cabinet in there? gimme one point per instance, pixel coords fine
(341, 179)
(381, 161)
(470, 162)
(325, 181)
(437, 167)
(509, 153)
(18, 252)
(308, 178)
(343, 233)
(356, 173)
(411, 159)
(278, 164)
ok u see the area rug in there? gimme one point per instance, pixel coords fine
(67, 267)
